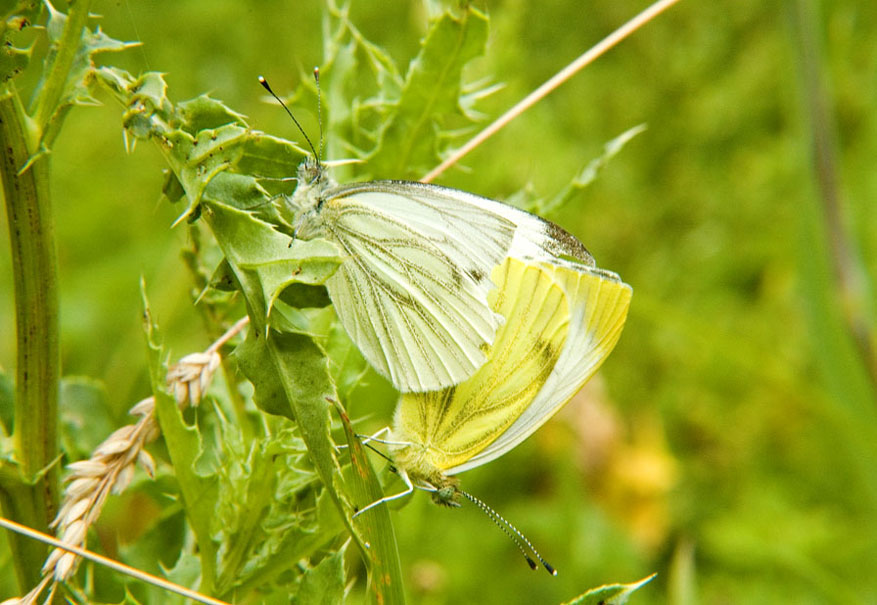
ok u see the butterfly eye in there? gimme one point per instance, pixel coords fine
(309, 172)
(447, 496)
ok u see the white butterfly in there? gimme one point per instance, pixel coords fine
(412, 290)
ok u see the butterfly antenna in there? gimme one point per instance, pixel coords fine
(319, 107)
(382, 455)
(265, 85)
(511, 531)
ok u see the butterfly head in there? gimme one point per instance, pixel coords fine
(449, 495)
(307, 200)
(310, 173)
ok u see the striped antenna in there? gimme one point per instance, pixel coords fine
(265, 85)
(319, 108)
(511, 531)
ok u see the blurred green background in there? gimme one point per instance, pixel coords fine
(730, 443)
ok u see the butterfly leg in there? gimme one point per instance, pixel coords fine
(408, 489)
(386, 429)
(366, 438)
(383, 431)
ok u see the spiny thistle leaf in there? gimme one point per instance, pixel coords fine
(610, 594)
(199, 491)
(431, 93)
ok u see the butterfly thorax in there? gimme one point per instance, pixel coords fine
(307, 200)
(415, 457)
(423, 474)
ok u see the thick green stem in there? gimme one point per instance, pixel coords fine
(34, 263)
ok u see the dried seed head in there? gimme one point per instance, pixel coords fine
(88, 468)
(123, 479)
(190, 377)
(144, 407)
(147, 463)
(112, 465)
(64, 566)
(80, 486)
(77, 510)
(74, 533)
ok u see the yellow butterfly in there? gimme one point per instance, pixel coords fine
(561, 322)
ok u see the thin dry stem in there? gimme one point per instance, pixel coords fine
(559, 78)
(92, 556)
(112, 464)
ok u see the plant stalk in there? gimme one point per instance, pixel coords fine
(854, 292)
(67, 47)
(34, 264)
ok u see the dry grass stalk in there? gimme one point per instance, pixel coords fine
(111, 466)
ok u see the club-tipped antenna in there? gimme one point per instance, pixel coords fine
(319, 107)
(265, 85)
(511, 531)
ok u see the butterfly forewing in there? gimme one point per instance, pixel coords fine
(412, 292)
(534, 237)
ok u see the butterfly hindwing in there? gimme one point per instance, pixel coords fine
(454, 424)
(599, 302)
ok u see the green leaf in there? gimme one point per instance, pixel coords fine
(212, 152)
(289, 370)
(248, 487)
(610, 594)
(315, 323)
(204, 113)
(14, 58)
(385, 573)
(431, 93)
(13, 61)
(267, 156)
(223, 278)
(254, 360)
(185, 572)
(200, 162)
(197, 159)
(161, 545)
(305, 296)
(236, 190)
(360, 84)
(199, 491)
(590, 172)
(172, 190)
(66, 79)
(264, 484)
(296, 542)
(85, 416)
(149, 112)
(324, 584)
(264, 261)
